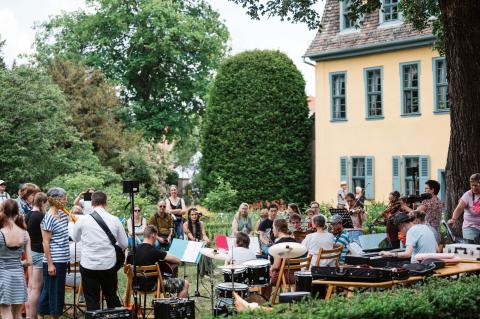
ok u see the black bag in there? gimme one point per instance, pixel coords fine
(417, 269)
(367, 274)
(120, 256)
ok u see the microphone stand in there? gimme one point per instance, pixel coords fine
(134, 288)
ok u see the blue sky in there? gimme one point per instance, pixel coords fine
(17, 18)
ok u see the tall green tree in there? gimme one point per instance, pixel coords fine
(94, 107)
(457, 27)
(37, 138)
(162, 54)
(255, 131)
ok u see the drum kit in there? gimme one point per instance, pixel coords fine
(248, 278)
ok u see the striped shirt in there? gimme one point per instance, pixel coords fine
(343, 240)
(59, 248)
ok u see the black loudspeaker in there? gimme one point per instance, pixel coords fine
(117, 313)
(131, 186)
(180, 308)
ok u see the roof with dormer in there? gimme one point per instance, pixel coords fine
(372, 37)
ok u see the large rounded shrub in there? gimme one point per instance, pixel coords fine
(255, 133)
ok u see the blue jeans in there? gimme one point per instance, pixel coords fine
(52, 297)
(178, 227)
(471, 233)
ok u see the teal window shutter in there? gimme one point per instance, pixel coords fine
(424, 172)
(343, 168)
(396, 173)
(369, 178)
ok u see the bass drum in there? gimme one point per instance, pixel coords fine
(303, 282)
(258, 272)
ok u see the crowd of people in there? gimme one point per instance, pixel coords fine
(40, 238)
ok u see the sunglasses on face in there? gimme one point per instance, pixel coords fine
(136, 210)
(162, 206)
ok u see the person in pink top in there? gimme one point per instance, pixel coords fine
(469, 205)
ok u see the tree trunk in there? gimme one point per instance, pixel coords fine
(462, 41)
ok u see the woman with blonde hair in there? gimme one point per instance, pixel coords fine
(56, 256)
(242, 222)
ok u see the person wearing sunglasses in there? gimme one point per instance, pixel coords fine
(140, 223)
(163, 221)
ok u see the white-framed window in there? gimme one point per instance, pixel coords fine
(389, 12)
(338, 96)
(409, 173)
(346, 23)
(373, 92)
(440, 82)
(410, 86)
(358, 171)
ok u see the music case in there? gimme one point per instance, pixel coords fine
(464, 251)
(366, 274)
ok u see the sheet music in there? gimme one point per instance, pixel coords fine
(192, 253)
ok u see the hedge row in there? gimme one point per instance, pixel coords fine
(437, 298)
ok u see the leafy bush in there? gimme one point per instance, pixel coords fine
(38, 142)
(255, 132)
(223, 198)
(438, 298)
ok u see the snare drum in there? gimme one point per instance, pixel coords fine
(240, 276)
(224, 290)
(258, 272)
(303, 282)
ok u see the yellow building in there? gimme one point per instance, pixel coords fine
(382, 120)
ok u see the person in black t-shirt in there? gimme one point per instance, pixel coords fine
(33, 227)
(146, 254)
(265, 230)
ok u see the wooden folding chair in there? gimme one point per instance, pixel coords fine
(325, 254)
(144, 272)
(292, 265)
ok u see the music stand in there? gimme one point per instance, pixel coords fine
(346, 218)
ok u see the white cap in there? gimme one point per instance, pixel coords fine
(343, 183)
(2, 182)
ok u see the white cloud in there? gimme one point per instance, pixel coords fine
(17, 40)
(17, 18)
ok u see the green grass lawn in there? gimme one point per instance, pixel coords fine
(202, 305)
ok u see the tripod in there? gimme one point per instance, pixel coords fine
(130, 187)
(74, 305)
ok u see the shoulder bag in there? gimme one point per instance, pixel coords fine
(120, 256)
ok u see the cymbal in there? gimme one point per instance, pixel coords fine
(230, 267)
(212, 253)
(287, 250)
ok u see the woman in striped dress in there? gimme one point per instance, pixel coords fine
(57, 255)
(14, 240)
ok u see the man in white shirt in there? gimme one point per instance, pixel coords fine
(240, 253)
(3, 194)
(98, 256)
